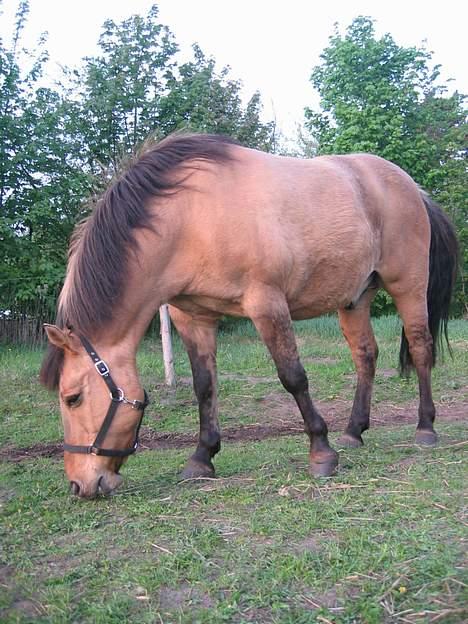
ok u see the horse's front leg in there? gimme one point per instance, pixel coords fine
(199, 338)
(270, 314)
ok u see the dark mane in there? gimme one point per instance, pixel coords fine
(99, 247)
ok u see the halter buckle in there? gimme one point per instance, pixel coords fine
(101, 368)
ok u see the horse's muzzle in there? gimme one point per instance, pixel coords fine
(104, 484)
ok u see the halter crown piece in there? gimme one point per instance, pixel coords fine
(118, 397)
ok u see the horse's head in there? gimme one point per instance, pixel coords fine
(102, 405)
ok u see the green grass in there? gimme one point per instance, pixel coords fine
(263, 543)
(382, 541)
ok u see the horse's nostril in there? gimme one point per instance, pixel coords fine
(75, 488)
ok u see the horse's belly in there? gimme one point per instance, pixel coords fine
(317, 307)
(329, 292)
(203, 305)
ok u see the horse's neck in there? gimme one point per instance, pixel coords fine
(126, 331)
(150, 281)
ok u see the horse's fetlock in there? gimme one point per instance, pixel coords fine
(211, 440)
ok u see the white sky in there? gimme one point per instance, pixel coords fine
(271, 45)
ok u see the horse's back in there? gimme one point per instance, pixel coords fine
(313, 229)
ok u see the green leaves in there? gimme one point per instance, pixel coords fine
(120, 90)
(202, 99)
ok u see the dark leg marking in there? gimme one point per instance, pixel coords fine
(278, 335)
(199, 338)
(357, 329)
(413, 312)
(420, 344)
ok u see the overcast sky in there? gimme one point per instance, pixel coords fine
(270, 45)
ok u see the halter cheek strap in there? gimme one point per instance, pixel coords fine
(117, 396)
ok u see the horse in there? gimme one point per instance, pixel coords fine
(213, 228)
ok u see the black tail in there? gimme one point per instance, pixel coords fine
(443, 266)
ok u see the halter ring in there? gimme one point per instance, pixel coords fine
(119, 399)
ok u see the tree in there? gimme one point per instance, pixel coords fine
(135, 89)
(41, 188)
(203, 100)
(381, 98)
(119, 91)
(16, 89)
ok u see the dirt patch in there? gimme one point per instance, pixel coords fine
(283, 420)
(325, 599)
(27, 607)
(279, 409)
(314, 542)
(308, 545)
(14, 454)
(5, 496)
(24, 608)
(387, 372)
(404, 464)
(256, 615)
(6, 575)
(249, 379)
(320, 359)
(74, 551)
(151, 440)
(181, 597)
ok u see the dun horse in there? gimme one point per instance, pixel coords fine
(214, 228)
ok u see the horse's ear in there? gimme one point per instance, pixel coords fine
(62, 339)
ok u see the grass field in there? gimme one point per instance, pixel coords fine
(382, 541)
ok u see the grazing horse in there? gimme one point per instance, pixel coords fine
(214, 228)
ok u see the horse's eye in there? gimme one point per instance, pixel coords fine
(73, 400)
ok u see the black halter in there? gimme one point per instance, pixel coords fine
(117, 397)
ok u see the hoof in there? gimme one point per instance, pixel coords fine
(425, 437)
(196, 470)
(349, 441)
(324, 466)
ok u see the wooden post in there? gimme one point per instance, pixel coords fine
(167, 345)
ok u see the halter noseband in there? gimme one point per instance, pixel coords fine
(117, 397)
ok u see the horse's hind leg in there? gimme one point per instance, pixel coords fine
(199, 338)
(412, 307)
(357, 329)
(270, 314)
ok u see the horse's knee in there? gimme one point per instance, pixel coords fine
(365, 357)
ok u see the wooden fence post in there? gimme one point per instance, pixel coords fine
(167, 345)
